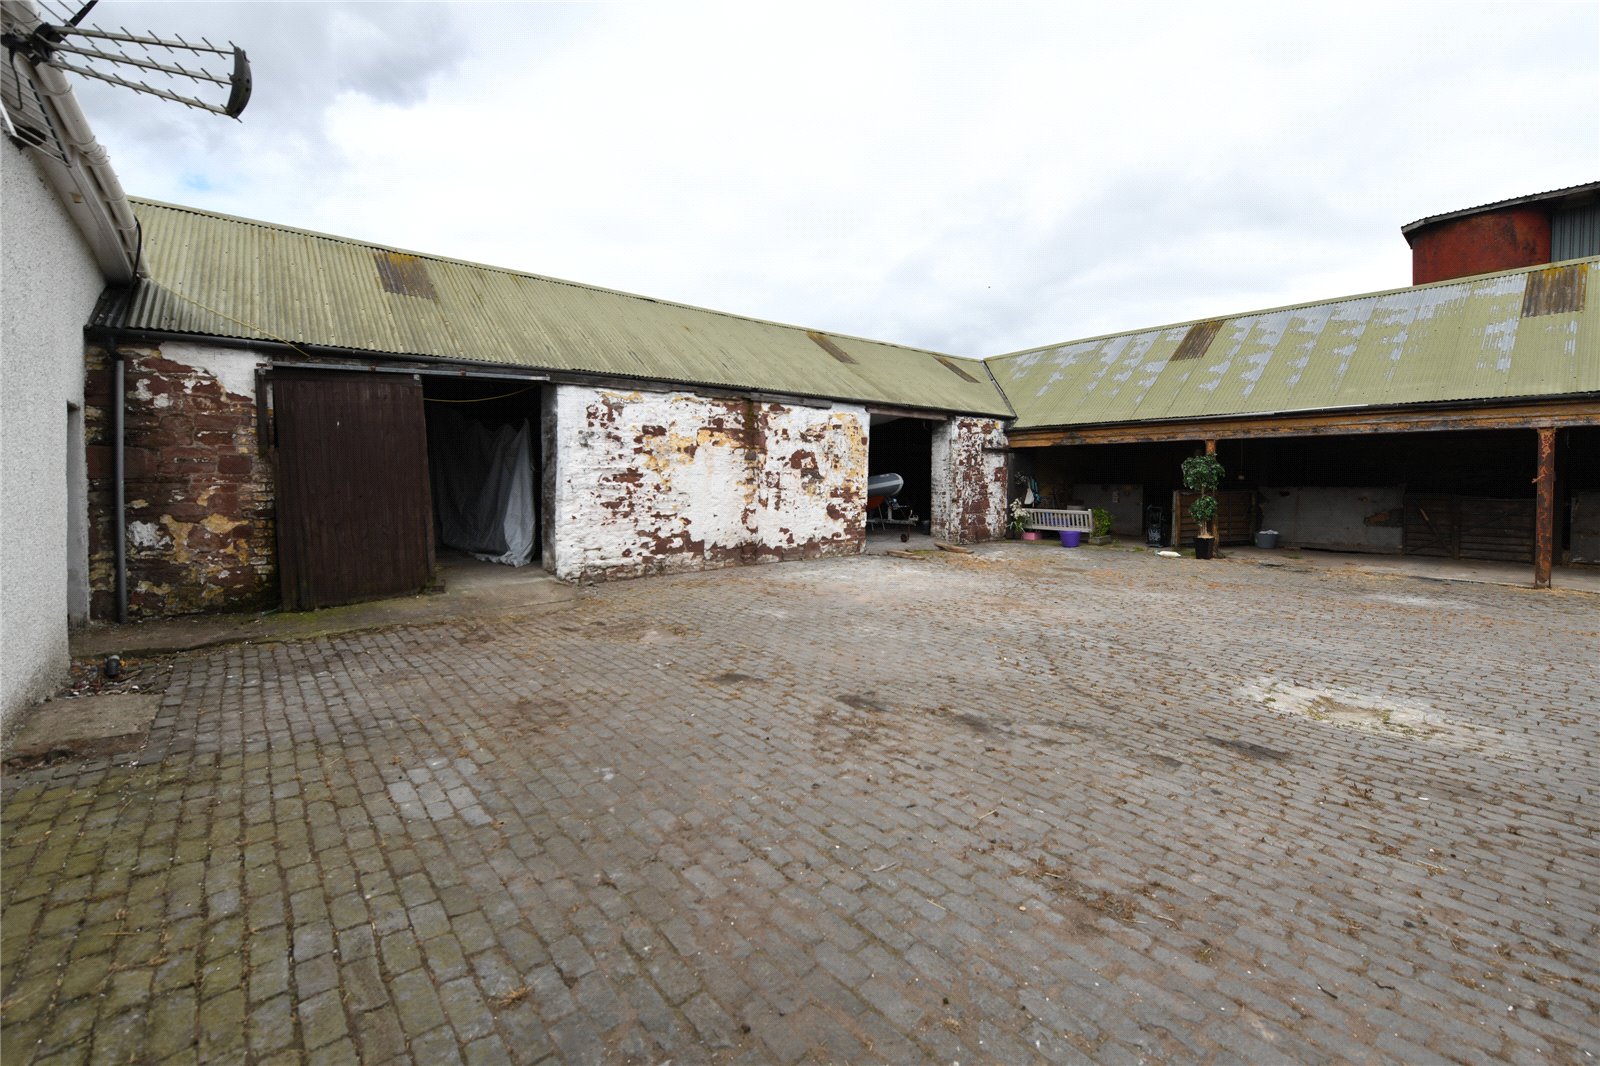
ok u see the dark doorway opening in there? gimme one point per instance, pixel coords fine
(904, 446)
(1128, 480)
(484, 462)
(1454, 494)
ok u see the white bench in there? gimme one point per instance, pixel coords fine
(1057, 519)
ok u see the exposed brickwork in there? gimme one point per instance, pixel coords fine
(662, 482)
(969, 480)
(1032, 804)
(199, 494)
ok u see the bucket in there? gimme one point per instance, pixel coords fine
(1267, 538)
(1070, 537)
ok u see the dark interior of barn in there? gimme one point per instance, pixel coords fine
(904, 446)
(483, 464)
(1459, 494)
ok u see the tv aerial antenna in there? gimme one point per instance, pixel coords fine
(133, 60)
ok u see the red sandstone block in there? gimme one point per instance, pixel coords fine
(229, 421)
(138, 463)
(97, 386)
(164, 435)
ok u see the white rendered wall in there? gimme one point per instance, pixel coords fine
(49, 283)
(647, 482)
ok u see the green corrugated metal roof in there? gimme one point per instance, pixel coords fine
(1460, 340)
(216, 275)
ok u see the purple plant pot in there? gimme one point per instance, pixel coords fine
(1070, 537)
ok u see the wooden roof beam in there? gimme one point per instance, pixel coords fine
(1583, 411)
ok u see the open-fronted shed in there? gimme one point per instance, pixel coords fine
(1509, 363)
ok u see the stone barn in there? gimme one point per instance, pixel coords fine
(308, 419)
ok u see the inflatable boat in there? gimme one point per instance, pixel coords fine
(882, 488)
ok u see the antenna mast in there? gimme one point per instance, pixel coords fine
(126, 59)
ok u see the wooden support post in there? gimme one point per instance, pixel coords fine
(1544, 517)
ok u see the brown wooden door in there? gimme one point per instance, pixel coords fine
(355, 519)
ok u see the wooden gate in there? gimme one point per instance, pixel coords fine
(1235, 522)
(1469, 527)
(355, 518)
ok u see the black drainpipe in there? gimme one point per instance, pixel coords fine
(119, 507)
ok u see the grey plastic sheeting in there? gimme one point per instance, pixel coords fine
(483, 486)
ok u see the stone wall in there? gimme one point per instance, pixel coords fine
(199, 490)
(1353, 519)
(969, 480)
(651, 482)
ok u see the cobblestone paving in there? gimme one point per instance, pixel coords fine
(1030, 804)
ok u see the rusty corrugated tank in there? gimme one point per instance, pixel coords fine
(216, 275)
(1515, 335)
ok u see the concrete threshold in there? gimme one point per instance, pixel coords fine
(1516, 575)
(1565, 578)
(472, 589)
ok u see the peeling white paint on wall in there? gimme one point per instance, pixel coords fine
(148, 535)
(234, 368)
(647, 482)
(969, 479)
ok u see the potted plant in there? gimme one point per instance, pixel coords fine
(1017, 524)
(1202, 474)
(1102, 526)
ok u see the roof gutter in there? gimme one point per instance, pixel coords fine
(305, 356)
(1425, 406)
(85, 184)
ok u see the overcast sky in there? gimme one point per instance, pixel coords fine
(972, 178)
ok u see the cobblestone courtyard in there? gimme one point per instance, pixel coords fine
(1028, 804)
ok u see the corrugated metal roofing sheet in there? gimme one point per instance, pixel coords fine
(1459, 340)
(230, 277)
(1571, 192)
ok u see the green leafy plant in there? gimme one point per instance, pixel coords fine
(1018, 521)
(1102, 522)
(1202, 474)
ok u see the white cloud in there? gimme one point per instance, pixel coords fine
(974, 178)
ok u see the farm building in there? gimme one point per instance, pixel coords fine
(1457, 419)
(1546, 227)
(202, 412)
(69, 231)
(317, 415)
(310, 418)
